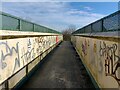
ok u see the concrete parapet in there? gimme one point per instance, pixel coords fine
(20, 52)
(100, 53)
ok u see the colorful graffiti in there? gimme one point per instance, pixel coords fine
(84, 47)
(112, 60)
(56, 39)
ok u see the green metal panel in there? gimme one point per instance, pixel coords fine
(82, 30)
(48, 31)
(9, 23)
(38, 28)
(97, 26)
(111, 23)
(88, 29)
(26, 26)
(108, 23)
(44, 29)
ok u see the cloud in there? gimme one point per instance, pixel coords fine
(55, 15)
(88, 8)
(84, 13)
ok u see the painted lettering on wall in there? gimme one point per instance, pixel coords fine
(28, 55)
(7, 52)
(16, 53)
(112, 60)
(84, 47)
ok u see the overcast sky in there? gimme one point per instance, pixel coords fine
(59, 15)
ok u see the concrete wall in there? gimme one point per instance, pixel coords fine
(16, 53)
(100, 53)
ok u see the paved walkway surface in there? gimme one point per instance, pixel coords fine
(61, 69)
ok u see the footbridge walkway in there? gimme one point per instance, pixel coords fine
(34, 56)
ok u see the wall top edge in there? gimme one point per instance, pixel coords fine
(115, 34)
(16, 33)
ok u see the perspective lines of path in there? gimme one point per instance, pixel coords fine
(61, 69)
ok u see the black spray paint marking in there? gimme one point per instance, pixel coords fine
(29, 44)
(39, 41)
(112, 61)
(10, 52)
(42, 44)
(29, 53)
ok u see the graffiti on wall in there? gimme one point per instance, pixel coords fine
(95, 47)
(29, 54)
(84, 47)
(112, 60)
(43, 43)
(93, 54)
(7, 53)
(56, 39)
(39, 41)
(16, 53)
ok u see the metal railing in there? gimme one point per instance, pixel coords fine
(106, 24)
(10, 22)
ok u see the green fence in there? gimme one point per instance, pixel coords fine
(9, 22)
(106, 24)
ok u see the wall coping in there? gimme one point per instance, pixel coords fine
(115, 34)
(22, 33)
